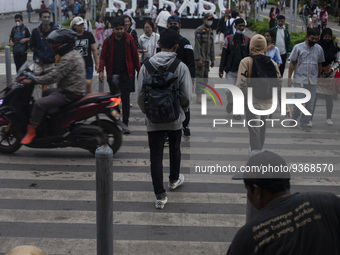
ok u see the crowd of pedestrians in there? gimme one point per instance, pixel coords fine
(114, 46)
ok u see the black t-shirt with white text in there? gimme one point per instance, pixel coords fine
(297, 224)
(83, 46)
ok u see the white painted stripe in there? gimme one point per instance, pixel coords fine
(195, 137)
(88, 246)
(123, 196)
(124, 218)
(146, 177)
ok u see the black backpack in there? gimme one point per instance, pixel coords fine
(265, 76)
(162, 103)
(228, 30)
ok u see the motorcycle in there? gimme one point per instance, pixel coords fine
(86, 123)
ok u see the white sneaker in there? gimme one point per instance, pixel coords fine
(254, 152)
(177, 183)
(160, 203)
(329, 122)
(310, 124)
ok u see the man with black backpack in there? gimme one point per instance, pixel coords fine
(164, 92)
(19, 38)
(236, 47)
(261, 73)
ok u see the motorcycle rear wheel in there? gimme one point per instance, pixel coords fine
(114, 135)
(9, 141)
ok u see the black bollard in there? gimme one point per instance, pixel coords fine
(104, 200)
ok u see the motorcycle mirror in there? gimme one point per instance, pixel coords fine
(23, 68)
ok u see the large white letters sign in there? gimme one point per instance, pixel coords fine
(186, 3)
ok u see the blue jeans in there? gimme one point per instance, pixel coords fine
(305, 119)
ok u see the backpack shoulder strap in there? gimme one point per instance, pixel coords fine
(174, 65)
(149, 67)
(246, 40)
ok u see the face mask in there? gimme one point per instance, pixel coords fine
(18, 23)
(327, 41)
(209, 23)
(240, 32)
(45, 21)
(311, 44)
(174, 28)
(268, 41)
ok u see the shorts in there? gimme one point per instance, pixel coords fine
(89, 73)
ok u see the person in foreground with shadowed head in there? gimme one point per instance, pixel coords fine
(299, 223)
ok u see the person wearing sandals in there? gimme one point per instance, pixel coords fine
(326, 85)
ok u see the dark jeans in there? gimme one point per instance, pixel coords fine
(257, 133)
(329, 105)
(124, 88)
(283, 65)
(187, 119)
(51, 98)
(19, 60)
(156, 145)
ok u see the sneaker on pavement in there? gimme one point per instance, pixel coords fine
(329, 122)
(254, 152)
(306, 128)
(186, 131)
(176, 184)
(310, 124)
(160, 203)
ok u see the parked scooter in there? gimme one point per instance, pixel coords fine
(87, 123)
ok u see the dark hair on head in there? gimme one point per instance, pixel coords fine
(239, 21)
(150, 23)
(176, 13)
(118, 21)
(234, 14)
(82, 10)
(97, 18)
(168, 8)
(312, 31)
(127, 17)
(281, 17)
(168, 39)
(270, 32)
(120, 11)
(271, 185)
(18, 16)
(42, 12)
(270, 12)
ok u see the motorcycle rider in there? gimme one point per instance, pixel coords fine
(69, 74)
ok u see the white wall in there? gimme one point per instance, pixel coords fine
(7, 6)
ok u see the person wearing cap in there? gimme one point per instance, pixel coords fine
(235, 48)
(87, 24)
(185, 53)
(204, 50)
(26, 250)
(85, 45)
(299, 223)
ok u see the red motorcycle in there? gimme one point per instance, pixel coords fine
(87, 123)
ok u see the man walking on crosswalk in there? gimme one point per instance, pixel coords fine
(164, 60)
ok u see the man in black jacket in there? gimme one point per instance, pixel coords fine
(235, 48)
(185, 53)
